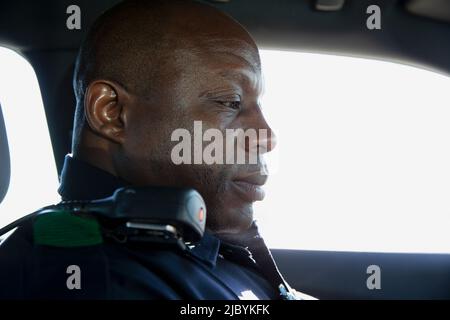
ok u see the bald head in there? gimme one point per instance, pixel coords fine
(138, 42)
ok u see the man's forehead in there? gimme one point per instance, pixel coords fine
(237, 48)
(225, 57)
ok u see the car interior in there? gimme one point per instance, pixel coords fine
(415, 32)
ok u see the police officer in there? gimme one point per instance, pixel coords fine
(146, 69)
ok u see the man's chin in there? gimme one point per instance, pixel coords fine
(246, 215)
(237, 220)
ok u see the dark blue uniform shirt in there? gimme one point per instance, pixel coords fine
(211, 269)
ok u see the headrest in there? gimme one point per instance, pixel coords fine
(5, 167)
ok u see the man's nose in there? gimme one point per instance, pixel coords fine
(265, 139)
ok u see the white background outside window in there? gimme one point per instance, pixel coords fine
(363, 158)
(34, 177)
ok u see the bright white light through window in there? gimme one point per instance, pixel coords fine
(34, 177)
(363, 155)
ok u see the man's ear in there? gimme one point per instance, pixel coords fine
(105, 109)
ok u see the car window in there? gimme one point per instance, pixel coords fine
(363, 155)
(33, 172)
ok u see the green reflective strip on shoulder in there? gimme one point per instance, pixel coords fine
(64, 229)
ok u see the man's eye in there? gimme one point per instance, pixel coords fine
(231, 104)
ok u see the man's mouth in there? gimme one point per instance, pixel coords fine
(249, 187)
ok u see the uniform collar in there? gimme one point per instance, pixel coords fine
(207, 250)
(82, 181)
